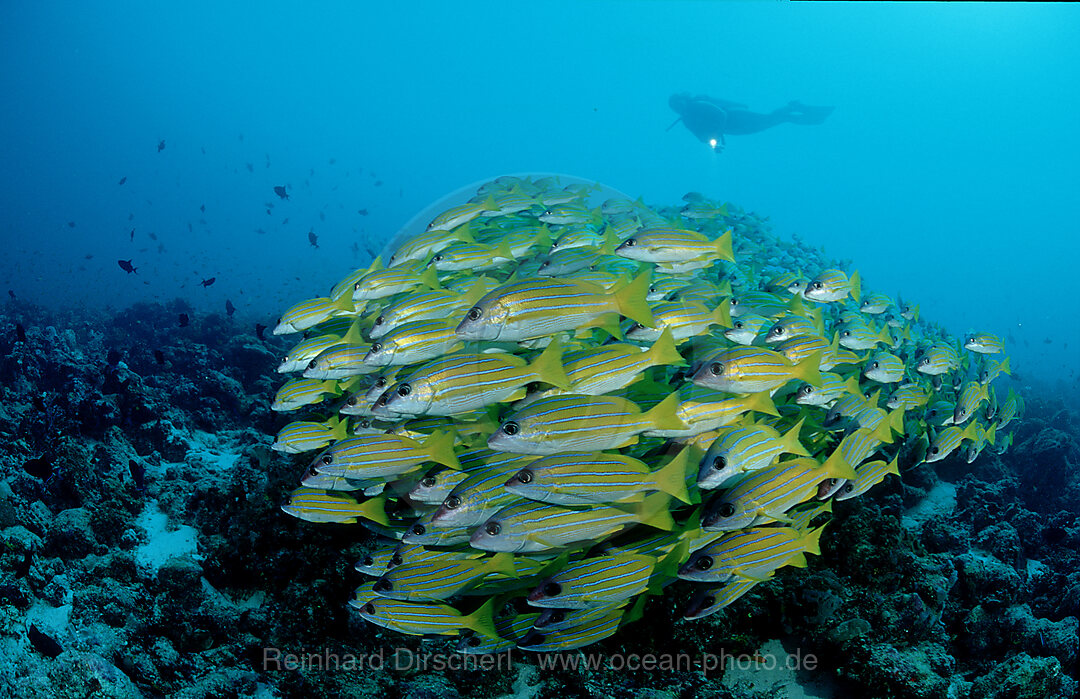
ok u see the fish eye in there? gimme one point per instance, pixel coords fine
(558, 617)
(437, 258)
(934, 450)
(376, 347)
(778, 330)
(474, 313)
(364, 424)
(719, 463)
(738, 325)
(727, 509)
(817, 285)
(493, 528)
(404, 390)
(419, 529)
(380, 320)
(473, 641)
(428, 482)
(510, 428)
(806, 390)
(709, 600)
(875, 365)
(327, 459)
(351, 400)
(703, 563)
(848, 488)
(367, 560)
(356, 286)
(552, 589)
(369, 608)
(396, 559)
(716, 368)
(846, 333)
(380, 382)
(382, 586)
(452, 503)
(312, 364)
(637, 326)
(525, 475)
(629, 243)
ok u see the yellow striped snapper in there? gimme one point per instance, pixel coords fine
(710, 600)
(298, 437)
(474, 500)
(1010, 409)
(968, 401)
(422, 305)
(472, 256)
(383, 455)
(583, 634)
(979, 440)
(511, 629)
(698, 210)
(602, 580)
(674, 245)
(703, 410)
(782, 283)
(938, 358)
(523, 241)
(884, 367)
(369, 486)
(984, 343)
(535, 526)
(315, 505)
(797, 349)
(298, 393)
(462, 382)
(740, 449)
(745, 328)
(570, 212)
(340, 362)
(564, 262)
(1004, 443)
(407, 276)
(433, 488)
(375, 563)
(422, 245)
(759, 303)
(683, 320)
(414, 342)
(422, 619)
(301, 354)
(346, 286)
(767, 494)
(506, 203)
(615, 207)
(308, 314)
(608, 368)
(423, 533)
(439, 579)
(584, 237)
(948, 440)
(753, 369)
(586, 478)
(574, 422)
(908, 396)
(458, 215)
(793, 326)
(939, 414)
(833, 285)
(993, 369)
(867, 475)
(875, 303)
(832, 388)
(533, 308)
(856, 335)
(751, 554)
(665, 287)
(560, 618)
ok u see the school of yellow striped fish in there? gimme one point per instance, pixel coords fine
(550, 408)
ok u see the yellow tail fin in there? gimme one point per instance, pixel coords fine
(630, 300)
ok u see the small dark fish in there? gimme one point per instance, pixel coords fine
(362, 212)
(23, 568)
(229, 308)
(208, 282)
(313, 239)
(159, 357)
(131, 217)
(1048, 341)
(280, 191)
(39, 467)
(322, 216)
(122, 180)
(250, 167)
(153, 236)
(113, 357)
(285, 221)
(132, 235)
(184, 320)
(138, 474)
(260, 231)
(378, 183)
(71, 224)
(126, 266)
(202, 208)
(355, 249)
(20, 332)
(259, 330)
(161, 145)
(42, 642)
(332, 161)
(11, 294)
(269, 212)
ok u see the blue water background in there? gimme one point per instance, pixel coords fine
(948, 172)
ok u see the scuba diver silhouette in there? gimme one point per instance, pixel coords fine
(710, 119)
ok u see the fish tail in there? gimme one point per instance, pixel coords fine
(790, 440)
(653, 512)
(884, 336)
(721, 315)
(856, 286)
(896, 420)
(464, 234)
(375, 510)
(811, 541)
(430, 278)
(723, 246)
(894, 466)
(482, 621)
(339, 429)
(809, 369)
(548, 366)
(353, 336)
(671, 478)
(630, 300)
(836, 466)
(1005, 367)
(440, 449)
(761, 402)
(797, 561)
(662, 416)
(503, 563)
(852, 385)
(664, 352)
(605, 323)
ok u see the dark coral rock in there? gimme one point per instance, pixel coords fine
(1024, 677)
(70, 534)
